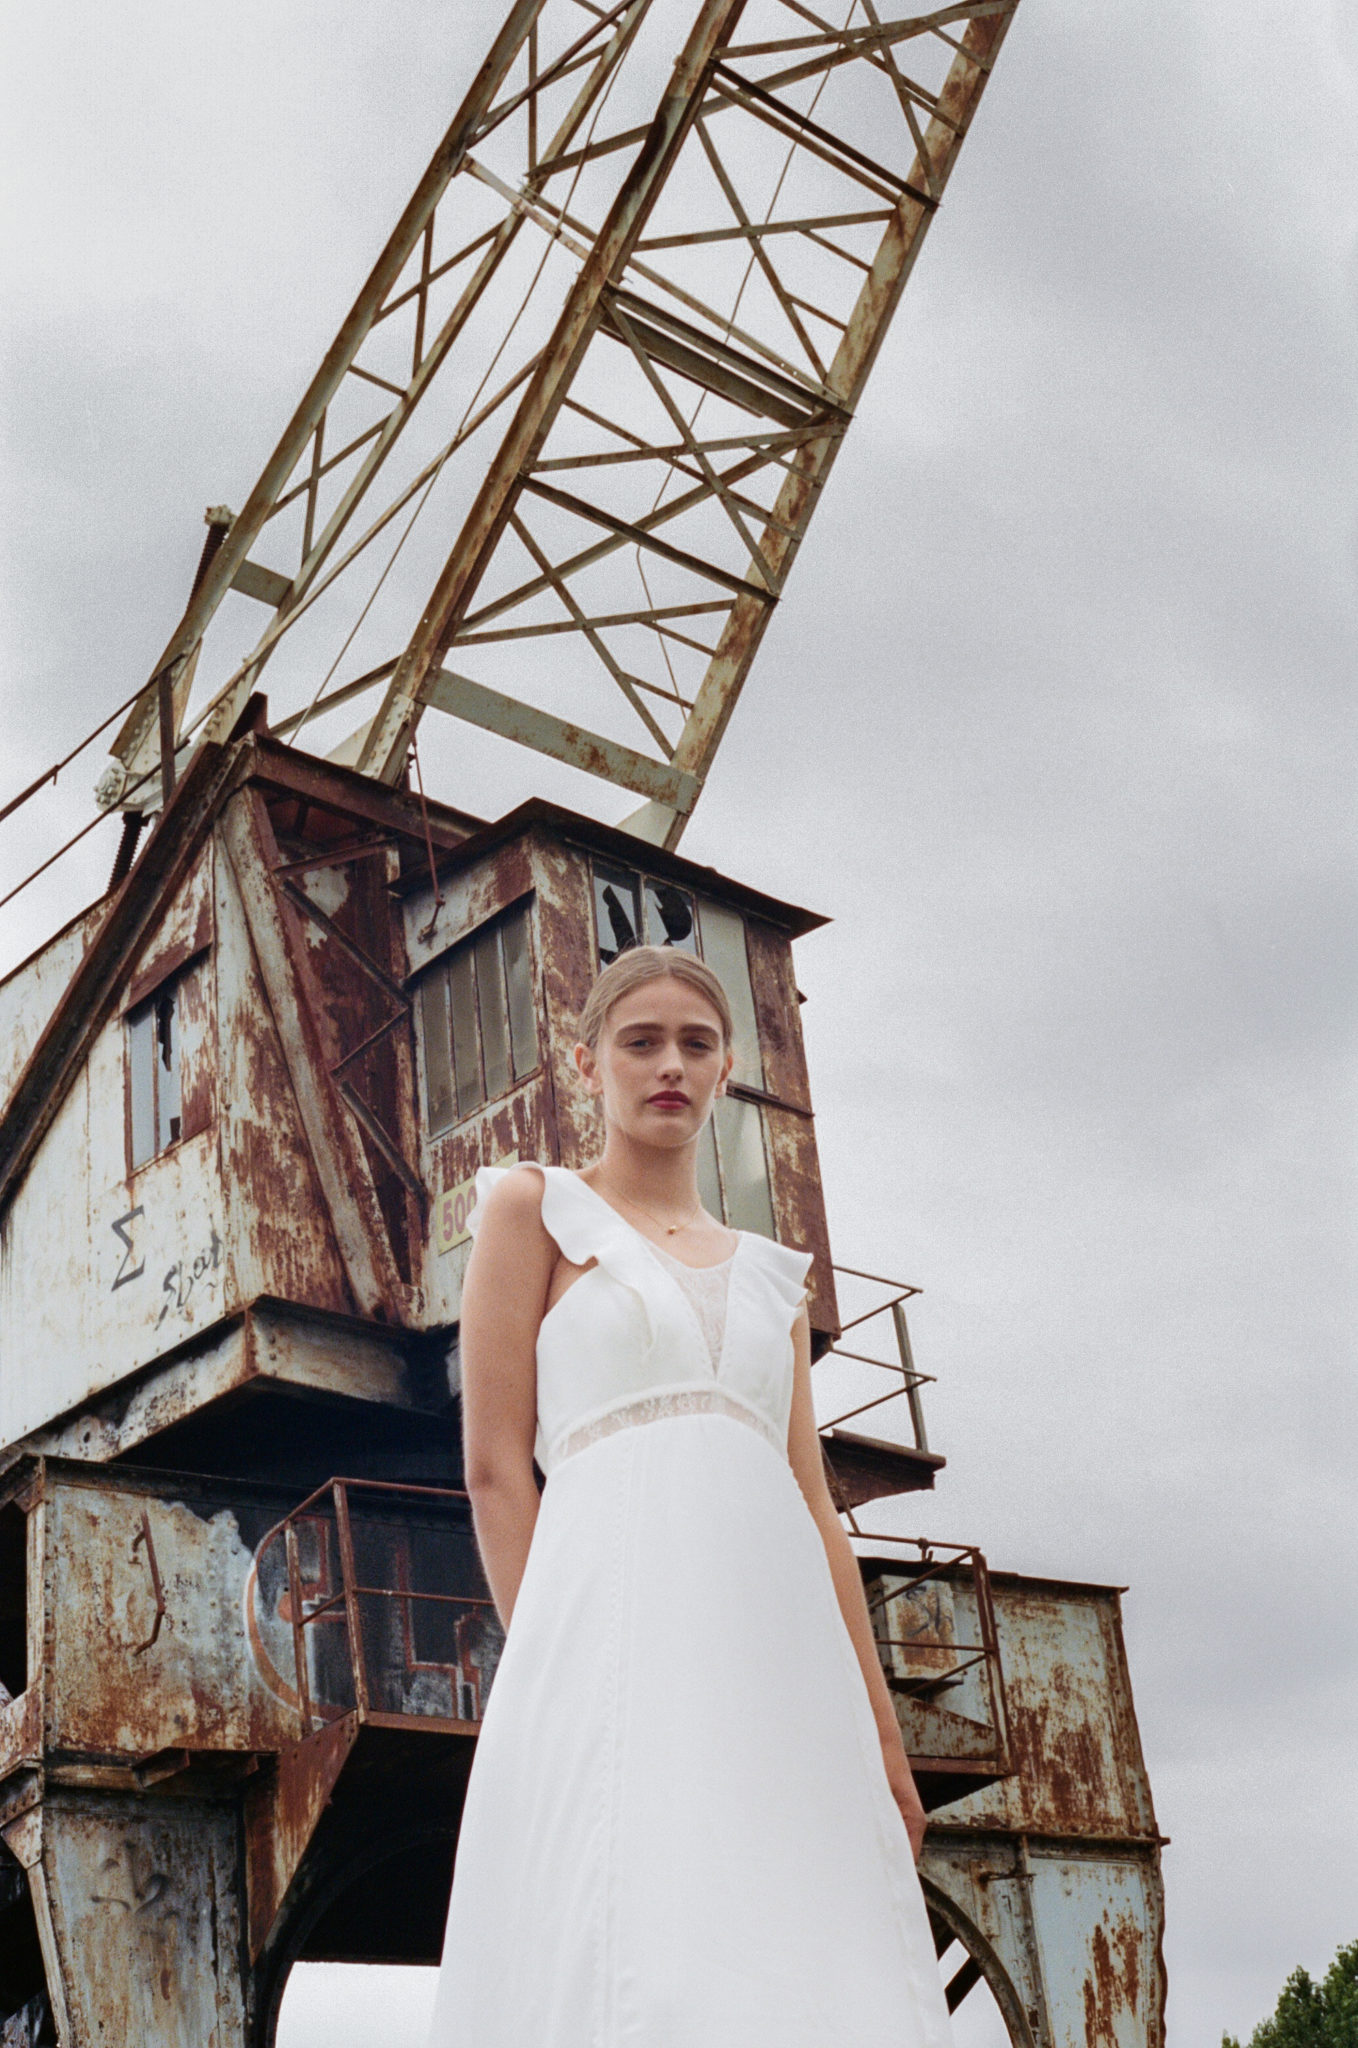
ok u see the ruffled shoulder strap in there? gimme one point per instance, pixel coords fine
(582, 1223)
(571, 1213)
(782, 1266)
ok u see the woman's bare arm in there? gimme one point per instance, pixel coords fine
(504, 1297)
(804, 1455)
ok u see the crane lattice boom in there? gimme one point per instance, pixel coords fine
(613, 345)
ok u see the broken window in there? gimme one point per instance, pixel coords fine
(480, 1020)
(616, 911)
(669, 917)
(154, 1108)
(632, 909)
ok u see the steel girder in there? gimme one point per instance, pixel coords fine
(670, 393)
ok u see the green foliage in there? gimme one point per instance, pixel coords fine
(1313, 2015)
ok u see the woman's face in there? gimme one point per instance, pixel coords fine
(659, 1062)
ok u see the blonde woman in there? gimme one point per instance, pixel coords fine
(690, 1821)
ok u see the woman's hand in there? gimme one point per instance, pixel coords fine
(901, 1779)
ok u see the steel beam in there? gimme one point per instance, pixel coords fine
(768, 307)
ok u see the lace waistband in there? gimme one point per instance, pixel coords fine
(659, 1408)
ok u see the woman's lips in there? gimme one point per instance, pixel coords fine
(667, 1101)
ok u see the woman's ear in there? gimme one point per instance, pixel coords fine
(587, 1067)
(726, 1070)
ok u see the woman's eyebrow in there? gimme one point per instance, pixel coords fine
(651, 1024)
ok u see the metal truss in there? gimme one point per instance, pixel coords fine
(661, 275)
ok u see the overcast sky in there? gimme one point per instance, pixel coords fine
(1056, 722)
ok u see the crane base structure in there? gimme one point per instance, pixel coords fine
(576, 427)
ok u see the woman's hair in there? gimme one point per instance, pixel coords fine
(640, 964)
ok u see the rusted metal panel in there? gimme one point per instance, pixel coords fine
(144, 1910)
(516, 1126)
(470, 895)
(278, 1236)
(183, 929)
(262, 1348)
(197, 992)
(565, 932)
(341, 1165)
(1051, 1877)
(61, 1053)
(331, 796)
(778, 1009)
(799, 1208)
(98, 1272)
(281, 1812)
(1068, 1939)
(356, 965)
(1078, 1763)
(21, 1730)
(799, 1203)
(115, 1685)
(1098, 1921)
(30, 992)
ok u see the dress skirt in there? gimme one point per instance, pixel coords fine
(678, 1831)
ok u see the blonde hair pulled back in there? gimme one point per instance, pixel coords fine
(637, 966)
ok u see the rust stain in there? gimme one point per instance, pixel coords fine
(1065, 1759)
(1112, 1989)
(198, 1050)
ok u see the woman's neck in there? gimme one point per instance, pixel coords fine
(662, 1179)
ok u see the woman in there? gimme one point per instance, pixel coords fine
(691, 1822)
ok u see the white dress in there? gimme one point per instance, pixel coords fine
(678, 1832)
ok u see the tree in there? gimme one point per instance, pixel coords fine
(1311, 2015)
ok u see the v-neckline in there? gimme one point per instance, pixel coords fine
(717, 1366)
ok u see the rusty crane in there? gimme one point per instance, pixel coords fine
(586, 399)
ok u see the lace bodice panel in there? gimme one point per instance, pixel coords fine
(639, 1326)
(707, 1288)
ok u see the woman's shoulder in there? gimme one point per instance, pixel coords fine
(509, 1195)
(529, 1196)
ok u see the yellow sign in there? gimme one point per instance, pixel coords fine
(453, 1208)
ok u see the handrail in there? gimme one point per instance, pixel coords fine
(902, 1367)
(319, 1602)
(949, 1561)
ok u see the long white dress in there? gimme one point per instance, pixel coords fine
(678, 1832)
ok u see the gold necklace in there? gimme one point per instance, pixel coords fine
(670, 1229)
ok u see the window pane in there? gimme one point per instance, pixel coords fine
(166, 1012)
(490, 998)
(709, 1180)
(466, 1042)
(744, 1171)
(523, 1027)
(615, 911)
(141, 1083)
(438, 1049)
(669, 917)
(724, 951)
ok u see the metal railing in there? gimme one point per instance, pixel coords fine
(929, 1661)
(902, 1367)
(370, 1633)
